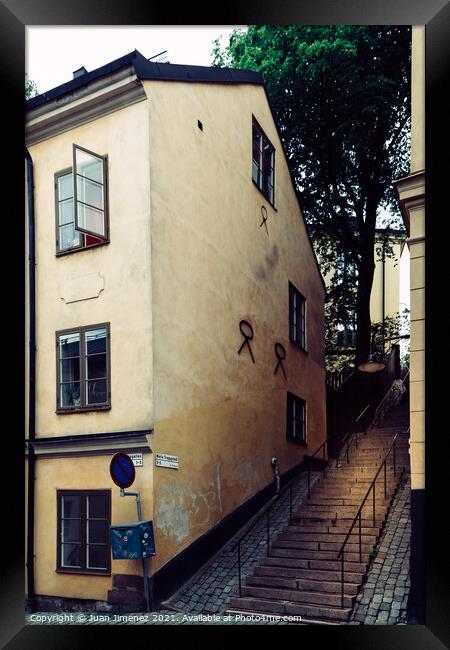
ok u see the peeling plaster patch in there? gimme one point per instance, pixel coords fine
(172, 517)
(203, 502)
(247, 474)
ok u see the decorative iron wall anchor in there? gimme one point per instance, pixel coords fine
(247, 337)
(281, 355)
(265, 217)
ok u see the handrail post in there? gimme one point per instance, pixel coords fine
(290, 505)
(360, 555)
(373, 492)
(395, 472)
(356, 440)
(347, 452)
(385, 492)
(268, 533)
(239, 569)
(342, 579)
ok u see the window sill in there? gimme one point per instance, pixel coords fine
(298, 345)
(85, 572)
(302, 443)
(266, 197)
(71, 251)
(84, 409)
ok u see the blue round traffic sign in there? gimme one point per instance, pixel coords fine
(122, 470)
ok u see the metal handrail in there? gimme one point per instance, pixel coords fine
(275, 500)
(358, 514)
(393, 388)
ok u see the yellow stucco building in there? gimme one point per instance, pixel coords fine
(176, 307)
(411, 196)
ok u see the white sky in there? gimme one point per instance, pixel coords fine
(54, 52)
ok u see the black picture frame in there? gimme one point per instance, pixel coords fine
(435, 15)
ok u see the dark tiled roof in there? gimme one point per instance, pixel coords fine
(145, 69)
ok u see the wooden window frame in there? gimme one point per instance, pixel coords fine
(84, 569)
(264, 139)
(83, 235)
(62, 410)
(290, 434)
(302, 343)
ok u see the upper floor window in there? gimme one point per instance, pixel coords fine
(297, 317)
(84, 517)
(263, 164)
(81, 202)
(83, 369)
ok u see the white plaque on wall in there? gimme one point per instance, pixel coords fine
(166, 460)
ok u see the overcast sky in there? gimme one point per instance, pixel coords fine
(54, 52)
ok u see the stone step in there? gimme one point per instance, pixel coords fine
(346, 493)
(351, 547)
(320, 538)
(344, 501)
(311, 574)
(314, 612)
(337, 531)
(303, 584)
(345, 509)
(314, 565)
(329, 521)
(291, 595)
(340, 512)
(308, 554)
(125, 597)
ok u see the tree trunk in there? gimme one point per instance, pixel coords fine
(366, 269)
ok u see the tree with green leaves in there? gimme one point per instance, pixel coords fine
(341, 96)
(30, 88)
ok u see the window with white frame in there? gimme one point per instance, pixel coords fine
(297, 317)
(263, 163)
(296, 418)
(84, 518)
(81, 202)
(83, 368)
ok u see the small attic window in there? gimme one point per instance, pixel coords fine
(200, 125)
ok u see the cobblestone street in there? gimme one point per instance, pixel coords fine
(382, 600)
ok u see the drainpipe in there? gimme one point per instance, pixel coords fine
(32, 380)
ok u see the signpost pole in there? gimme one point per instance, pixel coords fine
(123, 474)
(144, 559)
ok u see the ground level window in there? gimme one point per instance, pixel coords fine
(296, 418)
(84, 517)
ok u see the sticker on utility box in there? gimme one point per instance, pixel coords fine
(165, 460)
(137, 459)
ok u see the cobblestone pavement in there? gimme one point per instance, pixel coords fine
(383, 598)
(205, 597)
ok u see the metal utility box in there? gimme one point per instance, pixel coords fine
(132, 541)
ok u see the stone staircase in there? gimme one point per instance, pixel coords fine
(302, 574)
